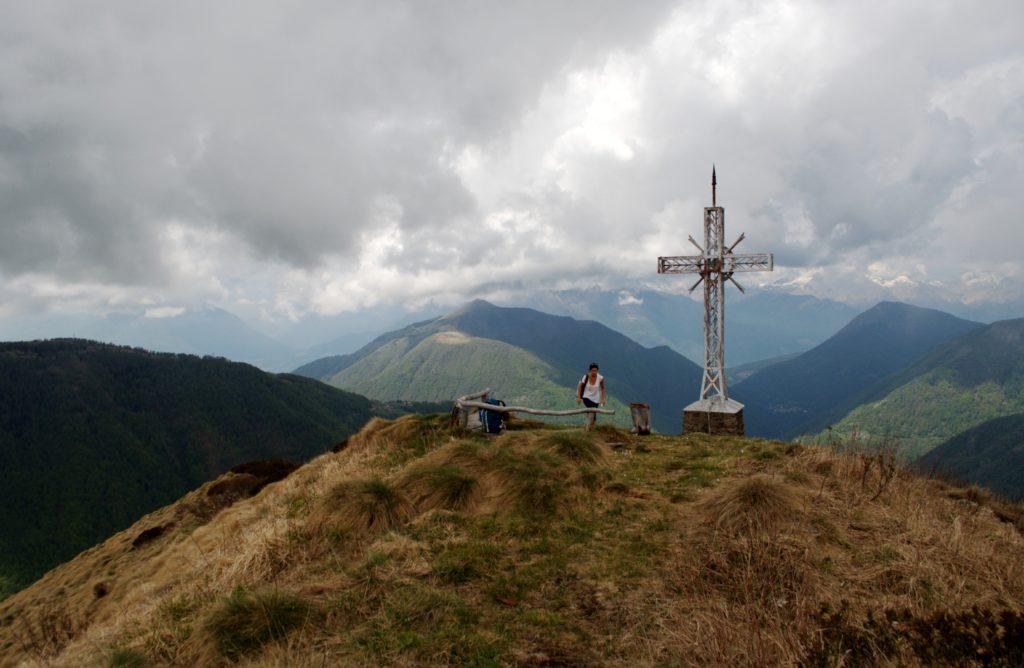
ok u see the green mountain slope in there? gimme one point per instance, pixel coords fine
(990, 454)
(552, 355)
(93, 435)
(802, 395)
(435, 369)
(963, 383)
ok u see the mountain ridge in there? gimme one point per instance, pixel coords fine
(658, 376)
(804, 393)
(962, 383)
(990, 454)
(761, 324)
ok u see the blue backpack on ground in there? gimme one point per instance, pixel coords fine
(492, 421)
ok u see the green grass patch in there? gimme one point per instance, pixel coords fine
(886, 555)
(246, 621)
(462, 562)
(573, 445)
(297, 506)
(798, 477)
(127, 658)
(441, 486)
(367, 504)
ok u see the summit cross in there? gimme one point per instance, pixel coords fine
(714, 411)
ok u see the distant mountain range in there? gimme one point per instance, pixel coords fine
(761, 325)
(524, 355)
(808, 392)
(93, 435)
(203, 331)
(961, 384)
(989, 454)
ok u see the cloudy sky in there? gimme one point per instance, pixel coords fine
(280, 159)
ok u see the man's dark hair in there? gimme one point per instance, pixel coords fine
(593, 365)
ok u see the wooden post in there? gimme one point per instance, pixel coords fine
(460, 417)
(641, 414)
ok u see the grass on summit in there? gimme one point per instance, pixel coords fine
(420, 544)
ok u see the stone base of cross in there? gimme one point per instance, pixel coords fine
(714, 412)
(708, 416)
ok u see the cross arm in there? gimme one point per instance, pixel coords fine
(680, 264)
(733, 263)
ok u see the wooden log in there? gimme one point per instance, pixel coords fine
(641, 414)
(531, 411)
(471, 397)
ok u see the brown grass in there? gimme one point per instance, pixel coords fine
(549, 546)
(362, 505)
(448, 486)
(758, 504)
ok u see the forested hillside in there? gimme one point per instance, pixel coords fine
(93, 435)
(974, 378)
(521, 354)
(810, 391)
(990, 454)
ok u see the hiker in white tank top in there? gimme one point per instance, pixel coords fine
(591, 393)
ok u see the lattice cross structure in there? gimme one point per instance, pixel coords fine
(716, 264)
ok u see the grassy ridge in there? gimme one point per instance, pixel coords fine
(421, 545)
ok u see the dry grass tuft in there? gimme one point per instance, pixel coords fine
(414, 433)
(516, 473)
(758, 504)
(573, 445)
(45, 635)
(246, 621)
(362, 505)
(446, 486)
(1006, 511)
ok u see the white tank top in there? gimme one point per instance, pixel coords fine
(592, 392)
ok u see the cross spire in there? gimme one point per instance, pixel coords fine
(714, 183)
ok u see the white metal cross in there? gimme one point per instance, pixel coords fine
(716, 264)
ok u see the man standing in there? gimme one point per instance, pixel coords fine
(591, 393)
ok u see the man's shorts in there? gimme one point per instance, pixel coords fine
(588, 403)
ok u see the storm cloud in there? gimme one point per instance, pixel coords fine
(324, 156)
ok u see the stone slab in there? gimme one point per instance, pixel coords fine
(713, 422)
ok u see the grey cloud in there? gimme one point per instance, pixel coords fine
(285, 126)
(297, 131)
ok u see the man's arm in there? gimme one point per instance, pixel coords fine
(604, 393)
(579, 393)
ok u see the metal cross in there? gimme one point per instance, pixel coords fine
(716, 264)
